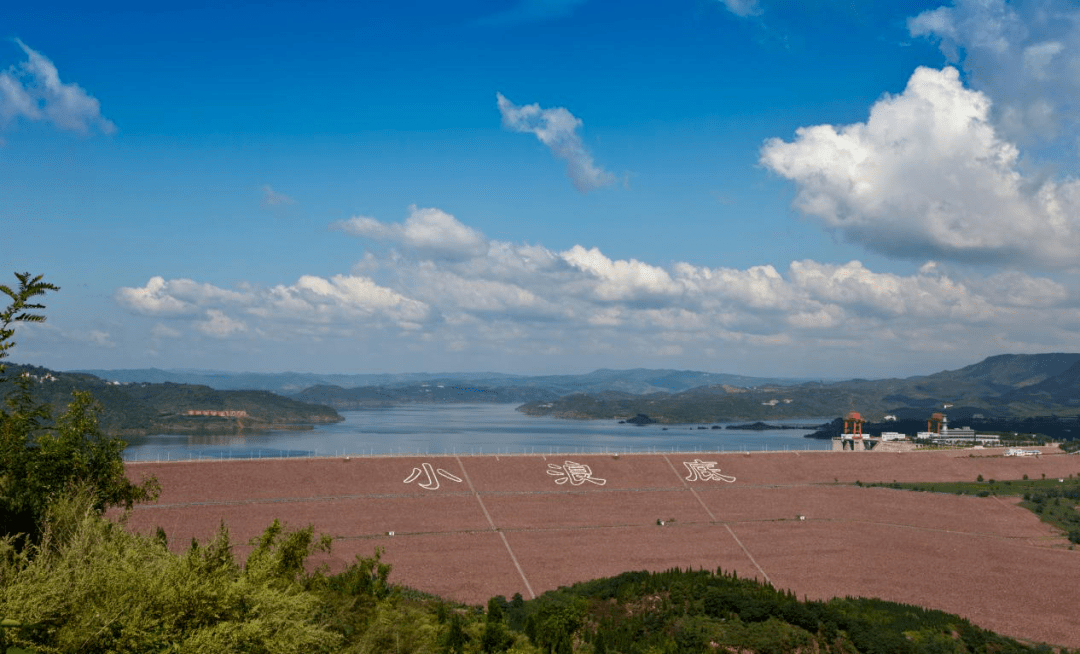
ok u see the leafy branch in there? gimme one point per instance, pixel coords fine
(21, 308)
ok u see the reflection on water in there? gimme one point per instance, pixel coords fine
(465, 429)
(224, 440)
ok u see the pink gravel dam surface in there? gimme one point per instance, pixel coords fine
(471, 527)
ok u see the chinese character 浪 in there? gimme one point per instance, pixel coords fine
(575, 473)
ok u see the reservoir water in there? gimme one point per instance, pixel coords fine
(467, 429)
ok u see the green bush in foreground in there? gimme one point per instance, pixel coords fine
(89, 586)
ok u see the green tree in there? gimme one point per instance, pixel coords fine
(495, 637)
(40, 460)
(456, 638)
(21, 308)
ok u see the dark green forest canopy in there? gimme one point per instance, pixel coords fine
(700, 611)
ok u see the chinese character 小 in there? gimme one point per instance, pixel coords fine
(432, 474)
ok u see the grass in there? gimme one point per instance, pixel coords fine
(1054, 500)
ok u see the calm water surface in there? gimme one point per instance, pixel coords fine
(466, 429)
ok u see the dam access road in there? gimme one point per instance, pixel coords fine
(471, 527)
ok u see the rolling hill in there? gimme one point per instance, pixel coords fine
(142, 408)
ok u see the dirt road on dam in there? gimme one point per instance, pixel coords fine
(470, 527)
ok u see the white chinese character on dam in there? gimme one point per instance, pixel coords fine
(704, 471)
(575, 473)
(431, 474)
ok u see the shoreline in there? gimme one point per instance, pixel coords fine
(961, 452)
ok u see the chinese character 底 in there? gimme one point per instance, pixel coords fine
(704, 471)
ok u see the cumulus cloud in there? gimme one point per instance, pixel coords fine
(32, 90)
(1016, 289)
(336, 302)
(557, 128)
(927, 176)
(339, 299)
(152, 299)
(511, 303)
(175, 297)
(1025, 55)
(431, 232)
(620, 281)
(219, 325)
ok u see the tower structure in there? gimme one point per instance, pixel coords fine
(852, 438)
(853, 423)
(937, 423)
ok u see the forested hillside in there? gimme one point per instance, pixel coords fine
(1015, 385)
(133, 409)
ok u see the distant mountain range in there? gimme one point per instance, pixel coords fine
(636, 381)
(1003, 385)
(1016, 385)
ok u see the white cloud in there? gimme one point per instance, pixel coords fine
(557, 129)
(928, 177)
(100, 338)
(152, 299)
(32, 90)
(333, 303)
(926, 295)
(620, 281)
(1025, 55)
(757, 287)
(175, 297)
(743, 8)
(1039, 57)
(219, 325)
(339, 299)
(1019, 290)
(516, 305)
(478, 295)
(272, 198)
(432, 232)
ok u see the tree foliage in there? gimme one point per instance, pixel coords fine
(21, 308)
(90, 586)
(41, 458)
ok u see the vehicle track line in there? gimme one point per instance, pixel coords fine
(509, 550)
(714, 520)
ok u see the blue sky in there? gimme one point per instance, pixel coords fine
(766, 188)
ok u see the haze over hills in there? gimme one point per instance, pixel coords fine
(636, 381)
(1003, 385)
(1016, 385)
